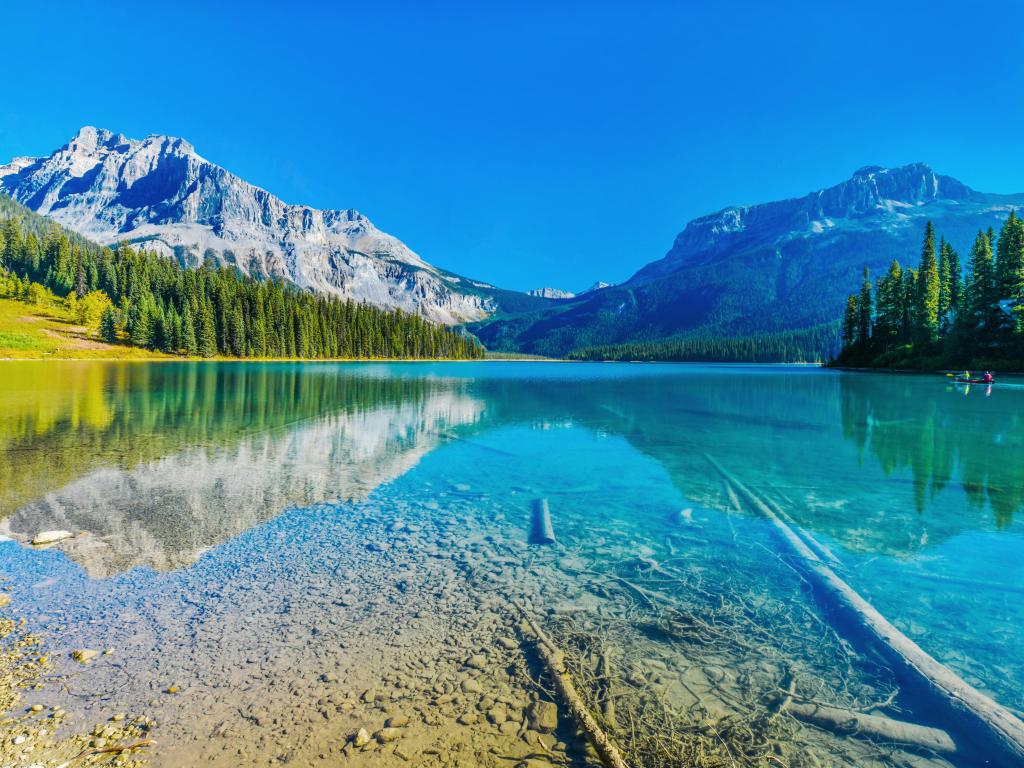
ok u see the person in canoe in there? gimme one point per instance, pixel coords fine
(965, 378)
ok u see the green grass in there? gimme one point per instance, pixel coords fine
(29, 332)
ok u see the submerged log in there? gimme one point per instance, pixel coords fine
(849, 723)
(989, 721)
(542, 532)
(554, 661)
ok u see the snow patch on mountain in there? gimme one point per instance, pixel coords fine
(550, 293)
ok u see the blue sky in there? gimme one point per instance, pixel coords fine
(531, 143)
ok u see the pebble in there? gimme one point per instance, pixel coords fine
(84, 655)
(20, 739)
(468, 718)
(397, 721)
(477, 661)
(50, 537)
(508, 643)
(471, 686)
(385, 735)
(543, 716)
(36, 708)
(361, 739)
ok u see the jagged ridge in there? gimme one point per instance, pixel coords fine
(160, 192)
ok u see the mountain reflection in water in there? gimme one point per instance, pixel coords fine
(161, 461)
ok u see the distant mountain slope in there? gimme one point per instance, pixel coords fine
(551, 293)
(762, 269)
(159, 192)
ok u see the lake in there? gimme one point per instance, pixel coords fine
(269, 557)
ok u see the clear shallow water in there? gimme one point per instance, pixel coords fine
(227, 509)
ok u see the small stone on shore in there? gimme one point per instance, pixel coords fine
(361, 738)
(50, 537)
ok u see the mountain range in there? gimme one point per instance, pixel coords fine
(746, 270)
(158, 193)
(763, 269)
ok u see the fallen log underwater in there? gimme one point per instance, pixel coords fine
(541, 531)
(554, 661)
(985, 722)
(843, 721)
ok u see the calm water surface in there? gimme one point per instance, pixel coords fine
(218, 507)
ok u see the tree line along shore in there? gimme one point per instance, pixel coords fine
(942, 315)
(130, 296)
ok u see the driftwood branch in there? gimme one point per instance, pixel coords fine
(554, 661)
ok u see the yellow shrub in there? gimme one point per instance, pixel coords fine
(41, 296)
(90, 309)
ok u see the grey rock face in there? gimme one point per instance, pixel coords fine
(159, 193)
(878, 198)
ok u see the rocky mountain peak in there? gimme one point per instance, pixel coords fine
(872, 190)
(159, 193)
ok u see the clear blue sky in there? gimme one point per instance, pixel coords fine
(531, 143)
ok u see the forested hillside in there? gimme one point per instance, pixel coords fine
(943, 314)
(812, 345)
(149, 301)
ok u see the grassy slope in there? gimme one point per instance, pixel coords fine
(29, 332)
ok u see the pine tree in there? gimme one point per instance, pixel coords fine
(207, 341)
(927, 299)
(944, 284)
(109, 322)
(1010, 259)
(81, 287)
(851, 321)
(955, 282)
(864, 308)
(889, 305)
(907, 300)
(12, 240)
(982, 294)
(140, 323)
(188, 332)
(237, 333)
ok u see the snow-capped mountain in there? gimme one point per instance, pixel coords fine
(550, 293)
(598, 286)
(159, 193)
(756, 269)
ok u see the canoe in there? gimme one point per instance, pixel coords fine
(961, 380)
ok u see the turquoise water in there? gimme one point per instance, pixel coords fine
(222, 513)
